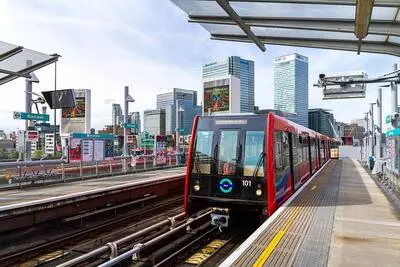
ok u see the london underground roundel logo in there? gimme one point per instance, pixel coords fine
(225, 185)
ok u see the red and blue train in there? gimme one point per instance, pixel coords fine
(249, 163)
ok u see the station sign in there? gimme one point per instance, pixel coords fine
(30, 116)
(130, 125)
(32, 136)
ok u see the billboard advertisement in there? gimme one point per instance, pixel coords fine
(161, 150)
(77, 119)
(216, 98)
(75, 150)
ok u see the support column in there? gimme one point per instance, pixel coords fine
(126, 110)
(379, 107)
(373, 130)
(28, 109)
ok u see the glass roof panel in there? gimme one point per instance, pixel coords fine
(383, 13)
(394, 39)
(200, 7)
(275, 10)
(18, 62)
(5, 47)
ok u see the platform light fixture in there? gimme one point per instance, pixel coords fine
(363, 17)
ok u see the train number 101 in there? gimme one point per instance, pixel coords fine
(246, 183)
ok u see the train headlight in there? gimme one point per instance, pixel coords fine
(196, 187)
(258, 192)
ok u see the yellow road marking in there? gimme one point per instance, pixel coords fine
(277, 238)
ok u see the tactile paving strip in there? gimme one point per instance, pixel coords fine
(279, 244)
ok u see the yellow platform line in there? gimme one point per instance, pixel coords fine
(277, 238)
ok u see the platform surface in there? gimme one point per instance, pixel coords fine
(30, 194)
(340, 218)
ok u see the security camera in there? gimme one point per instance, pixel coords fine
(322, 76)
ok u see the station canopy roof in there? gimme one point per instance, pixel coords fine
(353, 25)
(17, 61)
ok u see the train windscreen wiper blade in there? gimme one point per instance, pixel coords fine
(260, 160)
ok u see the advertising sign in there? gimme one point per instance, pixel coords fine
(98, 150)
(216, 98)
(77, 119)
(130, 139)
(32, 136)
(108, 149)
(161, 150)
(87, 150)
(75, 150)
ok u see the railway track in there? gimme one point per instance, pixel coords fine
(26, 244)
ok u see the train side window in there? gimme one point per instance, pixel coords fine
(254, 154)
(203, 155)
(281, 152)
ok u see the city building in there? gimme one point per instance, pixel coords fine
(240, 68)
(44, 128)
(3, 135)
(49, 143)
(117, 117)
(286, 115)
(221, 95)
(134, 117)
(154, 121)
(291, 86)
(322, 121)
(187, 101)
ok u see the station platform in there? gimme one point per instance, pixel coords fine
(339, 218)
(23, 197)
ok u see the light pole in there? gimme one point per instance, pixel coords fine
(367, 135)
(55, 110)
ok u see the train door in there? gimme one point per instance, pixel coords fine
(283, 170)
(318, 148)
(311, 142)
(294, 156)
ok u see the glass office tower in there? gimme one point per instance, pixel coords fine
(291, 86)
(240, 68)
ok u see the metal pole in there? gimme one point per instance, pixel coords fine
(367, 137)
(55, 110)
(379, 106)
(177, 125)
(373, 130)
(393, 87)
(126, 109)
(28, 109)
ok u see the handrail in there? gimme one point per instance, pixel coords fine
(31, 163)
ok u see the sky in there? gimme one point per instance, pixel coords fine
(150, 47)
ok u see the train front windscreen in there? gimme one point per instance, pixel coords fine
(229, 159)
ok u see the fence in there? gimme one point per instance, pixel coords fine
(52, 171)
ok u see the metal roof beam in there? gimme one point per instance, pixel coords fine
(17, 74)
(235, 17)
(11, 53)
(341, 25)
(370, 47)
(11, 77)
(377, 3)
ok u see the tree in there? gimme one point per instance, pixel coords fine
(37, 154)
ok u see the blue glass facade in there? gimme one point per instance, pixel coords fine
(240, 68)
(188, 100)
(291, 86)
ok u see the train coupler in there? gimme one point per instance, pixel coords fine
(220, 217)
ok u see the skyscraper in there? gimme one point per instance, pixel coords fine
(240, 68)
(291, 86)
(186, 99)
(134, 117)
(154, 121)
(117, 117)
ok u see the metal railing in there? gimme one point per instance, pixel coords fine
(390, 179)
(53, 171)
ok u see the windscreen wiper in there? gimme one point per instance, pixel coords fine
(260, 160)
